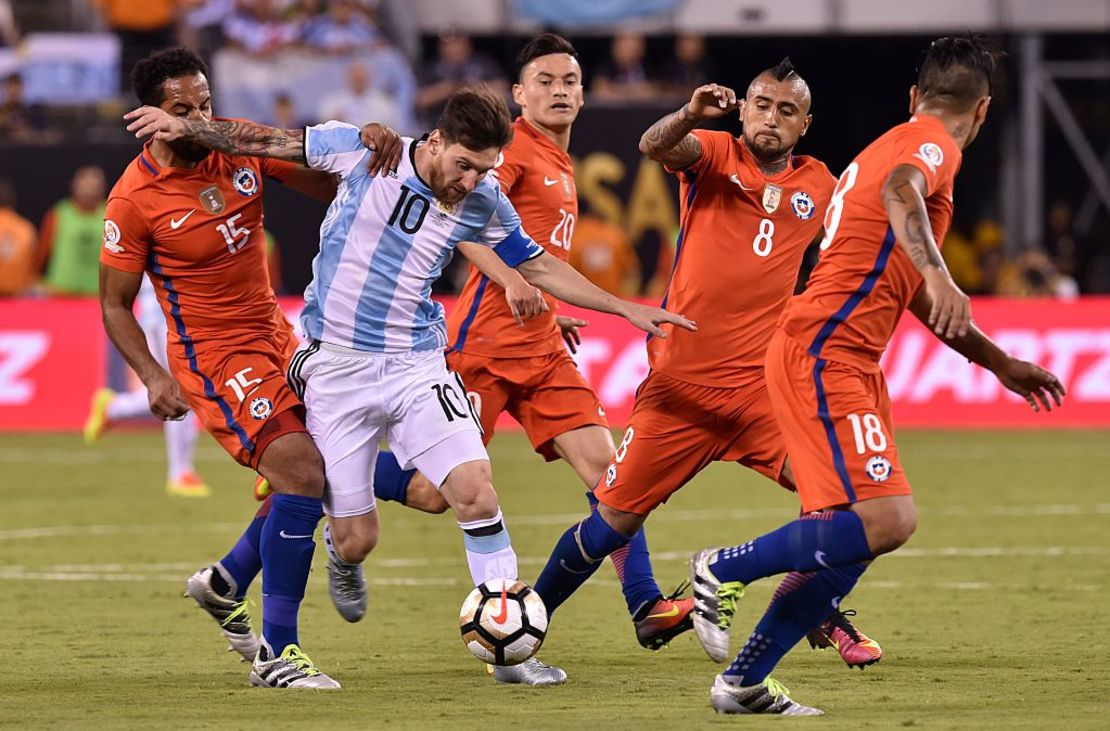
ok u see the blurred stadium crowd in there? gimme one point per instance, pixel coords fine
(292, 62)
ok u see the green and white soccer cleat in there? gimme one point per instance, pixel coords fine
(714, 605)
(529, 672)
(233, 616)
(768, 697)
(291, 669)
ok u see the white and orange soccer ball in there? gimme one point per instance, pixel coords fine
(503, 622)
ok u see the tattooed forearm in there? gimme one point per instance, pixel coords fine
(921, 247)
(909, 219)
(247, 138)
(669, 140)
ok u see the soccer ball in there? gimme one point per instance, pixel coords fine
(503, 622)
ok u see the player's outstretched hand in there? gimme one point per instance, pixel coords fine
(385, 143)
(649, 319)
(1032, 383)
(569, 327)
(165, 398)
(712, 101)
(525, 301)
(156, 123)
(950, 315)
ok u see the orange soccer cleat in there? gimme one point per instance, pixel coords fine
(261, 488)
(188, 484)
(855, 648)
(668, 618)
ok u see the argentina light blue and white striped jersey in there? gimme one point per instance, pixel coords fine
(385, 240)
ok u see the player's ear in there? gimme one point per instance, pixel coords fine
(805, 124)
(435, 140)
(741, 105)
(981, 110)
(518, 95)
(913, 100)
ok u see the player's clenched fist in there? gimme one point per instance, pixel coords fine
(165, 397)
(712, 101)
(156, 123)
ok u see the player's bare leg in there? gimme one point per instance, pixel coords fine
(424, 496)
(588, 450)
(469, 491)
(888, 522)
(349, 540)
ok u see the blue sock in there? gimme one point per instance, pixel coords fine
(570, 566)
(287, 548)
(633, 565)
(244, 562)
(800, 603)
(813, 542)
(390, 481)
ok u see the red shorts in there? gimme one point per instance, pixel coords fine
(546, 394)
(237, 387)
(835, 419)
(678, 428)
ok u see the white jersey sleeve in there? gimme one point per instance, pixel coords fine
(504, 233)
(334, 147)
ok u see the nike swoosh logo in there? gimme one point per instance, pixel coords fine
(819, 557)
(548, 181)
(175, 223)
(675, 611)
(283, 534)
(500, 618)
(736, 180)
(563, 563)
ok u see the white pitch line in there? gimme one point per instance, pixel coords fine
(15, 573)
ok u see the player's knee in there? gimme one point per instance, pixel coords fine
(624, 523)
(895, 527)
(422, 495)
(294, 466)
(596, 462)
(469, 491)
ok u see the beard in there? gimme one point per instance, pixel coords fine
(189, 151)
(766, 149)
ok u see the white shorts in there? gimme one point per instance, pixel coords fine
(354, 399)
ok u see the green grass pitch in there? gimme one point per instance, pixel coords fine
(993, 616)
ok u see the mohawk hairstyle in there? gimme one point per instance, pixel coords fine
(544, 44)
(149, 74)
(782, 69)
(957, 70)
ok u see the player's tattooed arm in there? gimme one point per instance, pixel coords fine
(247, 138)
(669, 140)
(904, 199)
(1038, 387)
(228, 136)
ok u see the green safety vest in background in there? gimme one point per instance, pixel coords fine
(74, 266)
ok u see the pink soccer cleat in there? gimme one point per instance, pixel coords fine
(855, 648)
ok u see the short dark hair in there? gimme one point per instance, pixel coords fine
(477, 118)
(782, 70)
(544, 44)
(957, 70)
(149, 74)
